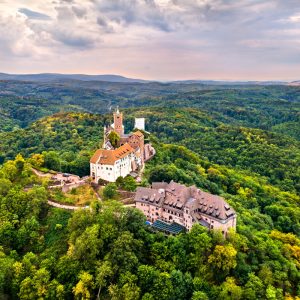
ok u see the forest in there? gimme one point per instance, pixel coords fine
(238, 142)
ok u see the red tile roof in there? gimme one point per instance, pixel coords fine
(109, 157)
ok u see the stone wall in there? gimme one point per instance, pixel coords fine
(68, 187)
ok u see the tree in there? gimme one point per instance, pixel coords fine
(198, 295)
(129, 184)
(120, 182)
(40, 282)
(114, 138)
(230, 291)
(181, 285)
(201, 243)
(87, 246)
(129, 290)
(147, 275)
(20, 162)
(103, 273)
(271, 293)
(162, 287)
(5, 186)
(36, 160)
(52, 160)
(27, 291)
(6, 265)
(35, 287)
(123, 252)
(110, 191)
(10, 170)
(83, 288)
(254, 288)
(223, 257)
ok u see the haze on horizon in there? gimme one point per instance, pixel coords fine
(153, 39)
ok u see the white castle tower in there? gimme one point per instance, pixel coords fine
(139, 123)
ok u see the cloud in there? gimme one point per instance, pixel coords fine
(72, 39)
(105, 26)
(80, 12)
(33, 14)
(154, 38)
(135, 12)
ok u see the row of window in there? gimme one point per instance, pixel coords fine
(120, 160)
(107, 168)
(172, 213)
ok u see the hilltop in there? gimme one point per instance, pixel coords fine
(45, 77)
(77, 135)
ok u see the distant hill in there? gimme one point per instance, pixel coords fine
(46, 77)
(54, 77)
(295, 83)
(224, 82)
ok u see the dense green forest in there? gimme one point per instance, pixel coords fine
(68, 140)
(274, 108)
(238, 142)
(48, 253)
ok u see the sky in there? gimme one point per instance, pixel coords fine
(153, 39)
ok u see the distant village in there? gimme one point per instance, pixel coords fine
(169, 207)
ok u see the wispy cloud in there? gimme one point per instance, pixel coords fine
(34, 14)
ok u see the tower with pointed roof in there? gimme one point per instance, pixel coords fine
(118, 122)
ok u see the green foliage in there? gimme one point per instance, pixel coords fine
(114, 138)
(107, 251)
(128, 183)
(110, 191)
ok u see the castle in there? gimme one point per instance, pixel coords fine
(174, 203)
(127, 154)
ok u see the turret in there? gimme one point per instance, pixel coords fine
(118, 122)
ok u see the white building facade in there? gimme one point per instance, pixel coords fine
(108, 165)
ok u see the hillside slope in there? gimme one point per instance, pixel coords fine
(108, 249)
(273, 108)
(45, 77)
(275, 156)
